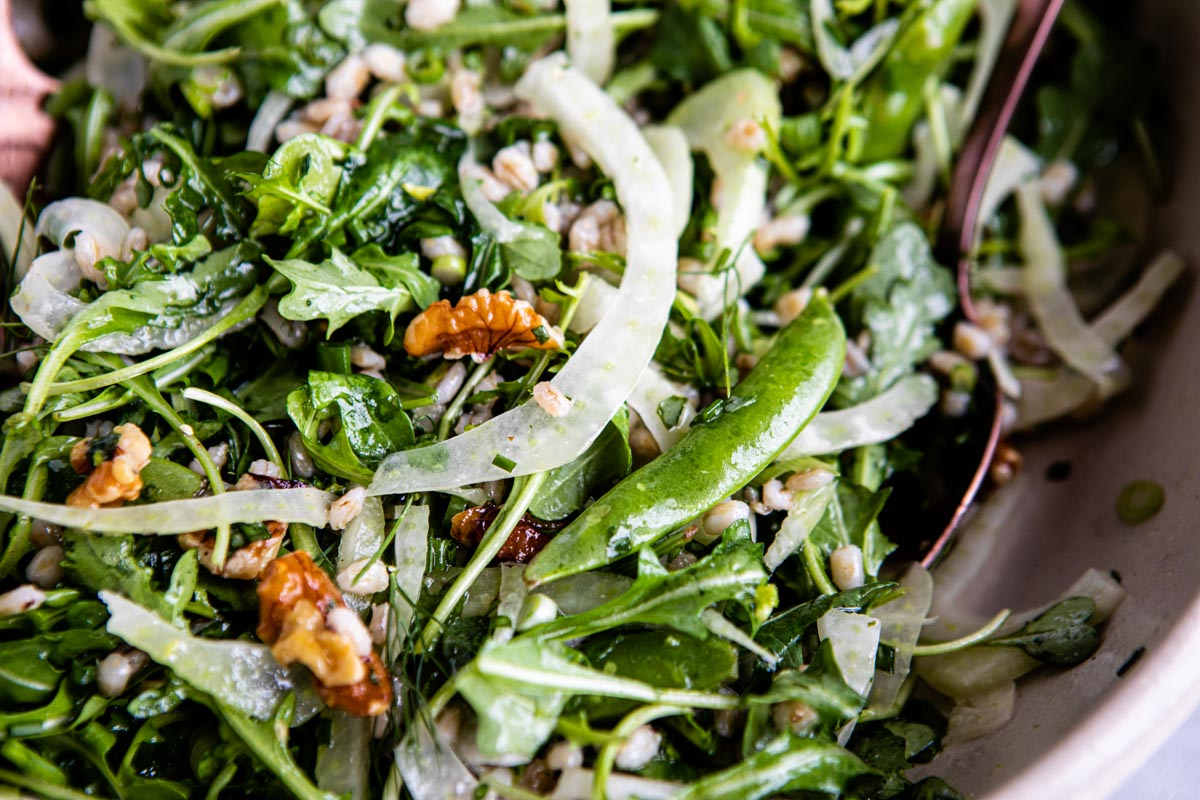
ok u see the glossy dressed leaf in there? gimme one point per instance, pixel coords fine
(676, 599)
(787, 764)
(568, 488)
(848, 521)
(660, 658)
(399, 270)
(1061, 635)
(338, 290)
(166, 480)
(112, 563)
(510, 723)
(26, 673)
(202, 185)
(900, 305)
(297, 185)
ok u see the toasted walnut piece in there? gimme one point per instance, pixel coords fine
(244, 564)
(479, 325)
(296, 599)
(116, 480)
(526, 541)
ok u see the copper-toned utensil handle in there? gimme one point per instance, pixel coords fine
(25, 130)
(1026, 39)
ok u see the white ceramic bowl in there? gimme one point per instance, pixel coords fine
(1082, 733)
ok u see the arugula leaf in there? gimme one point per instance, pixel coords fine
(155, 260)
(786, 764)
(690, 47)
(372, 422)
(510, 723)
(338, 290)
(731, 571)
(297, 185)
(360, 21)
(165, 480)
(900, 306)
(202, 185)
(568, 488)
(783, 632)
(820, 687)
(399, 270)
(848, 521)
(1060, 635)
(894, 746)
(112, 563)
(660, 658)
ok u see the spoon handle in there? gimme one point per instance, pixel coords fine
(1027, 37)
(25, 130)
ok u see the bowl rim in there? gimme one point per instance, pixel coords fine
(1125, 730)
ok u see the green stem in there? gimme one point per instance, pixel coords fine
(460, 399)
(970, 640)
(42, 788)
(524, 490)
(234, 410)
(377, 114)
(816, 570)
(42, 387)
(220, 782)
(244, 310)
(180, 369)
(109, 400)
(18, 544)
(624, 729)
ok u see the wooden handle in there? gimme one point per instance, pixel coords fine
(25, 130)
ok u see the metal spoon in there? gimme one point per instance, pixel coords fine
(25, 130)
(1031, 26)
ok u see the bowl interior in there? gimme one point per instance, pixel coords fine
(1080, 733)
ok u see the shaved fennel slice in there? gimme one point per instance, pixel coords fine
(271, 112)
(43, 300)
(310, 506)
(596, 300)
(670, 144)
(44, 303)
(803, 516)
(362, 539)
(1050, 302)
(61, 220)
(241, 674)
(982, 714)
(995, 19)
(431, 771)
(15, 227)
(1046, 399)
(902, 620)
(342, 765)
(576, 783)
(879, 419)
(1015, 165)
(490, 218)
(651, 391)
(591, 40)
(706, 118)
(412, 555)
(855, 640)
(606, 366)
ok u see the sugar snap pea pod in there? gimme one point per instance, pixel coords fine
(895, 94)
(762, 415)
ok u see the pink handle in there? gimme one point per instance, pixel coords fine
(25, 130)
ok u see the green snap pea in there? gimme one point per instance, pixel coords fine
(761, 417)
(894, 95)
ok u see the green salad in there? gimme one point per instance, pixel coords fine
(506, 399)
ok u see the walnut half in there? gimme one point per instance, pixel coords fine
(116, 479)
(305, 620)
(480, 325)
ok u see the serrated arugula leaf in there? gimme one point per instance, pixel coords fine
(788, 763)
(371, 422)
(297, 185)
(899, 306)
(112, 563)
(1060, 635)
(661, 658)
(820, 687)
(731, 571)
(398, 270)
(338, 290)
(848, 521)
(568, 488)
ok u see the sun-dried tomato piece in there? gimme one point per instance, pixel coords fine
(479, 325)
(303, 617)
(526, 541)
